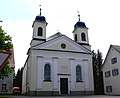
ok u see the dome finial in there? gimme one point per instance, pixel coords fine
(40, 10)
(78, 15)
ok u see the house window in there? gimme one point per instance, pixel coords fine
(114, 60)
(47, 72)
(78, 73)
(83, 36)
(40, 31)
(75, 37)
(107, 74)
(108, 89)
(4, 87)
(115, 72)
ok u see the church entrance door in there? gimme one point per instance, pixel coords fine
(64, 86)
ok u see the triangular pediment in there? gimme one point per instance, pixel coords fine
(62, 43)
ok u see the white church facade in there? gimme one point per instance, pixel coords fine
(58, 65)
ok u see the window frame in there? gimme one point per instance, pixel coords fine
(75, 37)
(108, 89)
(115, 72)
(78, 73)
(107, 74)
(40, 32)
(47, 72)
(4, 87)
(83, 36)
(114, 60)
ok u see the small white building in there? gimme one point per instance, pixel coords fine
(111, 71)
(58, 65)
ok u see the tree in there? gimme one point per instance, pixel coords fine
(18, 79)
(5, 45)
(97, 72)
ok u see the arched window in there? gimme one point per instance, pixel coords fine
(75, 37)
(83, 36)
(78, 73)
(47, 72)
(40, 31)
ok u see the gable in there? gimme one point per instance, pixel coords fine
(62, 43)
(112, 53)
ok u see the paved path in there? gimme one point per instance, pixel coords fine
(93, 96)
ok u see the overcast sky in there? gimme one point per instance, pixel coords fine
(102, 17)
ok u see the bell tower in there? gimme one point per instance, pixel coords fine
(39, 30)
(80, 34)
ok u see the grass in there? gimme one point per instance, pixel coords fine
(3, 96)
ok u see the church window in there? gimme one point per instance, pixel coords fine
(40, 31)
(83, 36)
(75, 37)
(63, 45)
(78, 73)
(47, 72)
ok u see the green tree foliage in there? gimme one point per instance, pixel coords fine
(5, 45)
(5, 41)
(18, 79)
(97, 72)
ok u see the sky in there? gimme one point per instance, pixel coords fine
(102, 17)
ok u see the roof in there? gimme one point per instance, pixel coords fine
(116, 47)
(4, 56)
(54, 36)
(12, 60)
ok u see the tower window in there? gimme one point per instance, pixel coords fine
(40, 31)
(75, 37)
(83, 36)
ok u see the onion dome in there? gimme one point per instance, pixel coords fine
(40, 18)
(80, 24)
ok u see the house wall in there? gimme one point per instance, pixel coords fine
(112, 80)
(9, 84)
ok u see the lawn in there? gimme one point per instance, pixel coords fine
(4, 97)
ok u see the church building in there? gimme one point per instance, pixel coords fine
(58, 65)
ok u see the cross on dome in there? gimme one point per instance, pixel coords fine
(40, 10)
(78, 15)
